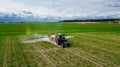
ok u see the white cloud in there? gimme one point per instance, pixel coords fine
(61, 8)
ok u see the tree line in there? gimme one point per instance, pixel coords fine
(92, 20)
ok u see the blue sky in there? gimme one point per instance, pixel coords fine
(60, 9)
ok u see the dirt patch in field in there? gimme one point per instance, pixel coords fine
(86, 22)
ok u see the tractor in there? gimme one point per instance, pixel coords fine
(59, 39)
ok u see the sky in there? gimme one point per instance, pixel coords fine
(59, 9)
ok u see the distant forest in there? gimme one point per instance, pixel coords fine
(92, 20)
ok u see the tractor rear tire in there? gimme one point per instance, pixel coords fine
(68, 44)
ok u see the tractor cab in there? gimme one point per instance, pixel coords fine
(61, 40)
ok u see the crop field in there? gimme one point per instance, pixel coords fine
(93, 45)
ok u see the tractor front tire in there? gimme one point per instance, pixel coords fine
(63, 46)
(57, 42)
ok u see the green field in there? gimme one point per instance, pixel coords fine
(93, 45)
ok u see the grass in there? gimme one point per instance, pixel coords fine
(93, 45)
(45, 28)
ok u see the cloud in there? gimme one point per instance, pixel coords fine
(64, 9)
(113, 4)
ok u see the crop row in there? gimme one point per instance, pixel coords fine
(87, 49)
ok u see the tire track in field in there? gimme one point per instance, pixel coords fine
(2, 50)
(101, 49)
(102, 61)
(9, 51)
(102, 39)
(110, 49)
(98, 65)
(37, 53)
(28, 49)
(108, 36)
(12, 51)
(43, 54)
(87, 60)
(111, 40)
(53, 49)
(98, 48)
(60, 58)
(65, 56)
(22, 52)
(5, 53)
(43, 45)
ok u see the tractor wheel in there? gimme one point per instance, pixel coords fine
(68, 44)
(63, 46)
(57, 42)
